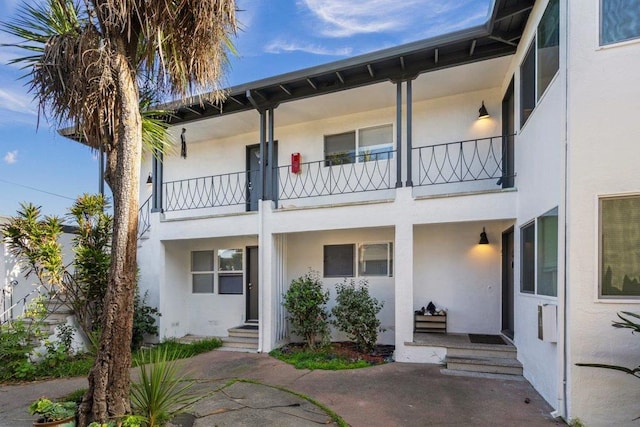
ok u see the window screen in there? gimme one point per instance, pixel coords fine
(338, 260)
(548, 253)
(202, 275)
(374, 259)
(230, 283)
(620, 247)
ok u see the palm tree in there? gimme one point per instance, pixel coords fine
(86, 63)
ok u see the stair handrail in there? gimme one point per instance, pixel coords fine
(6, 319)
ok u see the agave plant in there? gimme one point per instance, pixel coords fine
(162, 391)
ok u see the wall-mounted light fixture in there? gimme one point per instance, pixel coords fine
(183, 143)
(484, 240)
(483, 113)
(149, 180)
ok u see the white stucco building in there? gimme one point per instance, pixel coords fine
(378, 167)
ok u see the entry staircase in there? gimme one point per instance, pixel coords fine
(483, 359)
(242, 338)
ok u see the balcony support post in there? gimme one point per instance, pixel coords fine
(156, 181)
(263, 152)
(270, 187)
(409, 182)
(398, 133)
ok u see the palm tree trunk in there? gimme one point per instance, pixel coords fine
(109, 379)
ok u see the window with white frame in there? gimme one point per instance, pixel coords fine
(539, 255)
(230, 271)
(619, 21)
(373, 143)
(619, 247)
(202, 272)
(375, 259)
(541, 62)
(371, 259)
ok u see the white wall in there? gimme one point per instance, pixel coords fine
(455, 272)
(539, 167)
(603, 160)
(305, 251)
(184, 312)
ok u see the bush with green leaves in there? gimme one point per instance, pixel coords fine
(305, 302)
(144, 320)
(356, 313)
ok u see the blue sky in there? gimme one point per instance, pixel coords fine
(276, 36)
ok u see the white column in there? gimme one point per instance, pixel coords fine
(403, 260)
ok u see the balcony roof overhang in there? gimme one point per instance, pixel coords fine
(497, 37)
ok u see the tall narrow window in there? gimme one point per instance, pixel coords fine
(528, 85)
(619, 20)
(528, 258)
(202, 273)
(230, 271)
(620, 247)
(548, 253)
(548, 49)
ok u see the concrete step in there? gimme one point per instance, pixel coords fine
(491, 365)
(499, 351)
(240, 342)
(243, 332)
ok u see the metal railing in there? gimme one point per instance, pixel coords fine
(464, 161)
(144, 217)
(366, 172)
(7, 315)
(210, 191)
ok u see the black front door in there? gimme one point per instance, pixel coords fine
(507, 283)
(255, 179)
(253, 285)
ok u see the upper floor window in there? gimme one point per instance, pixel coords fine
(542, 61)
(374, 143)
(619, 21)
(619, 244)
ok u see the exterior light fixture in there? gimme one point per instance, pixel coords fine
(183, 143)
(483, 112)
(149, 180)
(483, 238)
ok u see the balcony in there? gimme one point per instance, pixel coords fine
(470, 166)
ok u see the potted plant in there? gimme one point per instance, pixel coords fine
(60, 414)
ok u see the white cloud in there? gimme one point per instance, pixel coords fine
(11, 157)
(280, 46)
(18, 102)
(344, 18)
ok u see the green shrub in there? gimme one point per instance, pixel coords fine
(355, 314)
(162, 392)
(144, 320)
(306, 303)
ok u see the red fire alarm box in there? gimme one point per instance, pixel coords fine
(295, 163)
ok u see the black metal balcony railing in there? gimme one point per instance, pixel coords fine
(210, 191)
(144, 219)
(367, 172)
(464, 161)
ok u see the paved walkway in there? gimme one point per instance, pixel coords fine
(395, 394)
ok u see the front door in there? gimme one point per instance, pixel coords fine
(255, 179)
(507, 283)
(252, 284)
